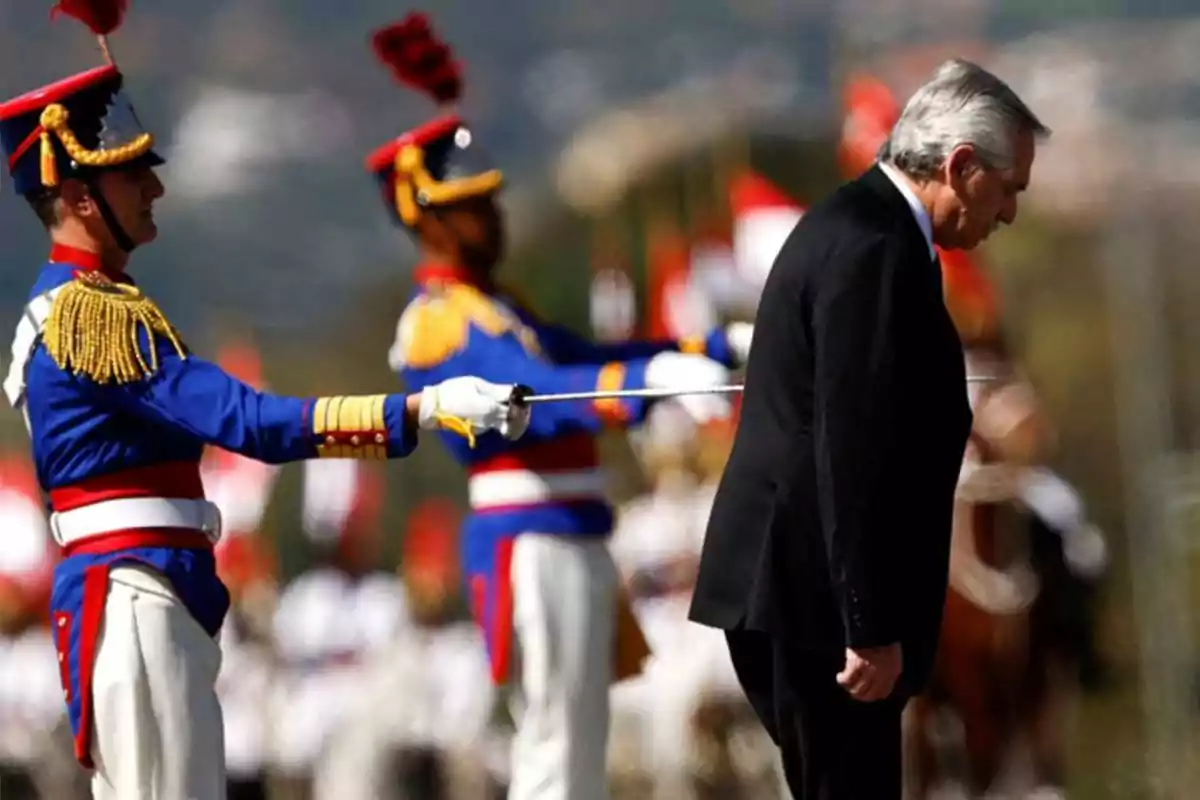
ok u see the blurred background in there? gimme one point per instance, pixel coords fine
(656, 154)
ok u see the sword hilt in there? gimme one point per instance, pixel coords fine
(519, 394)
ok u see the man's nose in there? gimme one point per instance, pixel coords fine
(154, 187)
(1008, 215)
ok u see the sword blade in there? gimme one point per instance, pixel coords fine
(617, 394)
(620, 393)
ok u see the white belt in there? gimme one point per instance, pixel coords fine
(131, 513)
(518, 487)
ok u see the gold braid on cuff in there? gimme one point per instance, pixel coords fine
(350, 427)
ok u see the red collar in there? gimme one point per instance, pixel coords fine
(433, 272)
(83, 260)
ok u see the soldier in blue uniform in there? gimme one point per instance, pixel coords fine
(535, 544)
(119, 412)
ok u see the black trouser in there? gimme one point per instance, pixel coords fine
(833, 746)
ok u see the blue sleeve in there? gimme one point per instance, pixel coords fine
(567, 347)
(503, 359)
(197, 397)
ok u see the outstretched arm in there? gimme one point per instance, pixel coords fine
(462, 332)
(503, 359)
(117, 343)
(198, 398)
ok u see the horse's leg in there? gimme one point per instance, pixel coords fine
(976, 696)
(1045, 715)
(967, 674)
(1046, 693)
(984, 742)
(920, 759)
(1013, 666)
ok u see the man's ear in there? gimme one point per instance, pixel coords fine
(77, 198)
(960, 163)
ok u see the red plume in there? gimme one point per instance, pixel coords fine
(418, 58)
(102, 16)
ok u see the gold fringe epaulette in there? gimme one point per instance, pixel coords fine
(93, 330)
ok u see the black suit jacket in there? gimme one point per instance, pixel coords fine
(831, 525)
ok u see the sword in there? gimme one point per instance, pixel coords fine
(525, 395)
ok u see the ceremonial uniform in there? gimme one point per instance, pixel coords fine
(535, 545)
(535, 553)
(120, 464)
(119, 412)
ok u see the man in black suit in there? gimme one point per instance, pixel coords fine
(826, 555)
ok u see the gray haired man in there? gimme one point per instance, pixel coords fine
(828, 546)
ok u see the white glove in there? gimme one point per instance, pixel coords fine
(680, 371)
(738, 335)
(472, 405)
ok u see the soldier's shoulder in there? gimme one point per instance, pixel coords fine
(107, 331)
(437, 322)
(431, 329)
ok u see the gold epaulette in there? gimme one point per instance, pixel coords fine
(437, 325)
(351, 427)
(93, 330)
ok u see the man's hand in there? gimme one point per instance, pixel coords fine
(672, 370)
(471, 405)
(870, 674)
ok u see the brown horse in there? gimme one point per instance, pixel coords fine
(992, 670)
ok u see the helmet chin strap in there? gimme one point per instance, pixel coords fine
(110, 219)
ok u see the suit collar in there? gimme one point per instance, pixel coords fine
(882, 186)
(919, 212)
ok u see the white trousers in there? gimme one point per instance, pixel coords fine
(564, 601)
(157, 732)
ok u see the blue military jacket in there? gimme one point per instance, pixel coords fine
(550, 480)
(118, 408)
